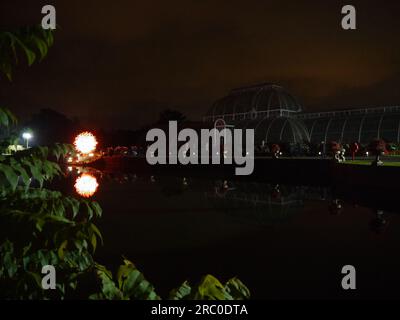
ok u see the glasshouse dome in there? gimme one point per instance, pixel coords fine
(275, 130)
(277, 117)
(263, 100)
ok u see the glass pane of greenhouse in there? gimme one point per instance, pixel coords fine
(390, 128)
(352, 129)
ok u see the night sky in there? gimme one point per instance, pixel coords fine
(117, 64)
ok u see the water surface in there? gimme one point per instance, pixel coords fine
(281, 241)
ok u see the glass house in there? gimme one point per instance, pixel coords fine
(277, 117)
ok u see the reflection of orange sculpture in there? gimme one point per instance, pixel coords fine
(85, 142)
(86, 185)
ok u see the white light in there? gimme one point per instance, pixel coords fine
(319, 153)
(280, 153)
(27, 135)
(85, 142)
(367, 153)
(69, 169)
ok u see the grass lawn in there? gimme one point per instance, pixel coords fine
(368, 163)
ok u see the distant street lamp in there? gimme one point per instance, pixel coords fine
(27, 136)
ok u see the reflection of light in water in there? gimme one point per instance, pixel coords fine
(85, 142)
(86, 185)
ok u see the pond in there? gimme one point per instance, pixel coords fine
(283, 242)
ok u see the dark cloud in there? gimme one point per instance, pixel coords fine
(119, 63)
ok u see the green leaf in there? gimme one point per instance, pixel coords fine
(34, 166)
(109, 289)
(97, 208)
(41, 45)
(61, 249)
(22, 172)
(26, 249)
(97, 232)
(9, 263)
(6, 68)
(78, 245)
(39, 224)
(74, 204)
(37, 278)
(43, 151)
(56, 151)
(58, 219)
(133, 284)
(10, 175)
(89, 209)
(11, 117)
(31, 41)
(30, 55)
(48, 37)
(93, 241)
(4, 121)
(211, 289)
(181, 293)
(237, 289)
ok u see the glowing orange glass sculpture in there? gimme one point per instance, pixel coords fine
(86, 185)
(85, 142)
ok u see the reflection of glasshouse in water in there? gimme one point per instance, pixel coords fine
(264, 203)
(277, 117)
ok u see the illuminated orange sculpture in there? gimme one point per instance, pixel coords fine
(85, 142)
(86, 185)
